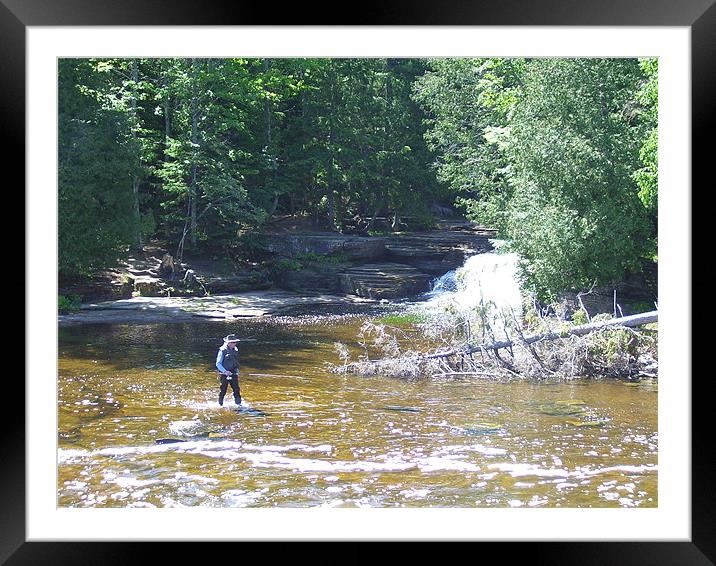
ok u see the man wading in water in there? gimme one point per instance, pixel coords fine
(227, 362)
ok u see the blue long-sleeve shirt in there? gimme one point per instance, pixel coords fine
(220, 359)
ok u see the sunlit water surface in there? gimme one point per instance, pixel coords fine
(321, 439)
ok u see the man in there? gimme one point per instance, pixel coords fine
(227, 362)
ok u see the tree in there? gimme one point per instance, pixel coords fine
(209, 152)
(575, 216)
(97, 161)
(646, 177)
(546, 151)
(211, 149)
(468, 103)
(364, 140)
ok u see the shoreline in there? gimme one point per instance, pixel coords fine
(230, 306)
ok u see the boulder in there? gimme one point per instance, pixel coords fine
(169, 269)
(437, 244)
(102, 286)
(353, 247)
(123, 287)
(149, 287)
(384, 281)
(236, 283)
(313, 278)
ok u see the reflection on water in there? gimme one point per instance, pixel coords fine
(308, 437)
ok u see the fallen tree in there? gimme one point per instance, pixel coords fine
(581, 330)
(604, 347)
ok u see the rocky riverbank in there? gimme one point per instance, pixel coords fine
(143, 310)
(307, 262)
(303, 268)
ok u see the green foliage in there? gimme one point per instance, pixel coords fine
(286, 264)
(97, 159)
(250, 244)
(641, 306)
(363, 152)
(68, 304)
(337, 258)
(611, 344)
(200, 152)
(558, 154)
(148, 224)
(402, 320)
(575, 217)
(579, 317)
(647, 176)
(210, 152)
(468, 102)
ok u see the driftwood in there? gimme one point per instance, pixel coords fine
(190, 279)
(581, 330)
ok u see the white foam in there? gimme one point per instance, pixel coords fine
(274, 460)
(213, 404)
(481, 448)
(325, 448)
(518, 470)
(433, 464)
(484, 279)
(240, 497)
(69, 455)
(214, 448)
(124, 481)
(183, 427)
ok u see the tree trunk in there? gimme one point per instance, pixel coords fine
(628, 321)
(136, 180)
(194, 137)
(274, 205)
(139, 240)
(333, 220)
(331, 206)
(269, 146)
(377, 210)
(167, 127)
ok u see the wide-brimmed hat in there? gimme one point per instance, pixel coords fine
(231, 338)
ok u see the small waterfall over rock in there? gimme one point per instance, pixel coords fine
(444, 283)
(484, 279)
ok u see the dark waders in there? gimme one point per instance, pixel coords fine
(227, 361)
(224, 385)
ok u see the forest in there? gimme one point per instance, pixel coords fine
(558, 155)
(426, 282)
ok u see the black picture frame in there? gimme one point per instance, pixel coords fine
(698, 15)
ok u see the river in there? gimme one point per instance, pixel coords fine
(315, 438)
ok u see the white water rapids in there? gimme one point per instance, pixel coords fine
(485, 280)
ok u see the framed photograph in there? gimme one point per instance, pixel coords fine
(639, 491)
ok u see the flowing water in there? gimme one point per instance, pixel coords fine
(484, 278)
(140, 424)
(315, 438)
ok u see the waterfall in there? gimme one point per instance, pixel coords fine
(484, 279)
(444, 283)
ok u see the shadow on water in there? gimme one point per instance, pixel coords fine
(178, 345)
